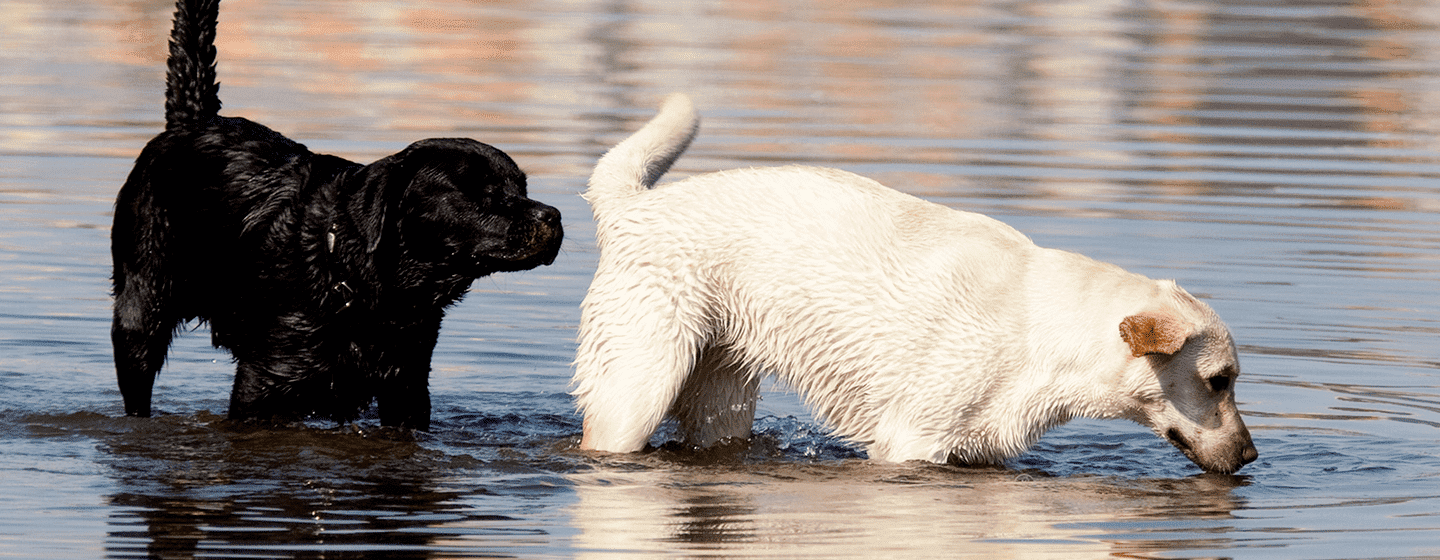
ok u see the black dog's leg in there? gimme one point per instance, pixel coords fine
(247, 396)
(282, 387)
(405, 400)
(404, 388)
(260, 393)
(140, 334)
(283, 372)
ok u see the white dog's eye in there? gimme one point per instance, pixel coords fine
(1222, 381)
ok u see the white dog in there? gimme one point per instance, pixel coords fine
(916, 330)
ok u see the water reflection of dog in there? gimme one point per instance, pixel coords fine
(191, 486)
(854, 509)
(919, 331)
(326, 279)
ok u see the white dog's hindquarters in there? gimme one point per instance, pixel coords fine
(922, 332)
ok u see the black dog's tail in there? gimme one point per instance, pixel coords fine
(191, 92)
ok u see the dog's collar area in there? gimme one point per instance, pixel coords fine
(346, 293)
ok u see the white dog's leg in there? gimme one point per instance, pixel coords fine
(636, 351)
(718, 400)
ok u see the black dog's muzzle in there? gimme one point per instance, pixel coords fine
(533, 238)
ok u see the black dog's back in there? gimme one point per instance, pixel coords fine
(298, 260)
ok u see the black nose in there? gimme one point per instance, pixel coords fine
(544, 214)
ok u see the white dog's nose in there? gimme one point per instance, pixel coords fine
(1249, 454)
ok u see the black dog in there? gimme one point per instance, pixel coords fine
(325, 279)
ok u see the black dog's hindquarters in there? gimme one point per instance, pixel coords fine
(327, 280)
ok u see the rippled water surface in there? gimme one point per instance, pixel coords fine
(1277, 158)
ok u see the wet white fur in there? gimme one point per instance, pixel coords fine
(919, 331)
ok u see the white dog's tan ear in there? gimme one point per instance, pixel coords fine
(1154, 333)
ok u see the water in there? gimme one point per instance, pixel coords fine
(1278, 158)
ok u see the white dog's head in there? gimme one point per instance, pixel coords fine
(1182, 376)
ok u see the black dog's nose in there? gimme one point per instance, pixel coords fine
(544, 232)
(545, 214)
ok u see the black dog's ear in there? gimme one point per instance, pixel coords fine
(375, 203)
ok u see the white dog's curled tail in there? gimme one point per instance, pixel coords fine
(637, 163)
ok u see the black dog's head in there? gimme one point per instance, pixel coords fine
(458, 204)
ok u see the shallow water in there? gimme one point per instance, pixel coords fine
(1276, 158)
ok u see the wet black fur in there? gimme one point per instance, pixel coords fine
(325, 279)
